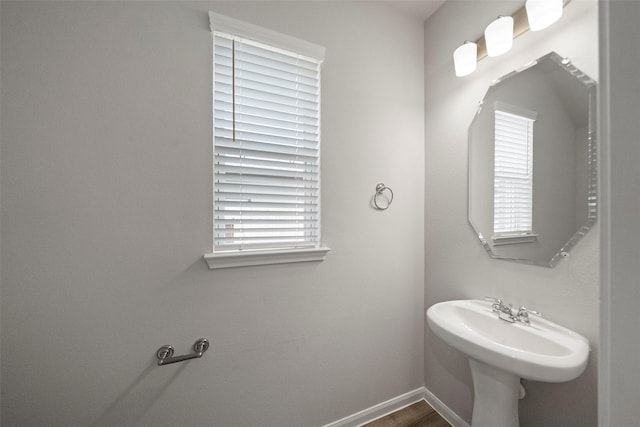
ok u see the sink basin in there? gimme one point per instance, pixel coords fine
(541, 351)
(500, 353)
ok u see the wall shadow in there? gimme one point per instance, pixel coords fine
(138, 398)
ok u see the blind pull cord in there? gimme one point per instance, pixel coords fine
(233, 87)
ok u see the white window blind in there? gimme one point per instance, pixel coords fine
(513, 174)
(266, 147)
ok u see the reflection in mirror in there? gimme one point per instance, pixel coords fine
(532, 163)
(513, 174)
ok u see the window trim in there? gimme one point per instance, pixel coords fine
(264, 257)
(239, 28)
(253, 257)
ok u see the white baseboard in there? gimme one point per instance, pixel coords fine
(397, 403)
(442, 409)
(380, 410)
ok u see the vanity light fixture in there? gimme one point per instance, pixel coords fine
(465, 58)
(534, 15)
(499, 36)
(543, 13)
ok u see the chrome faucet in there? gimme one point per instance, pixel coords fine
(504, 312)
(508, 314)
(523, 315)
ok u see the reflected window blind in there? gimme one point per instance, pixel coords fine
(266, 147)
(513, 174)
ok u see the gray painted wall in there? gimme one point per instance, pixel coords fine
(457, 266)
(106, 175)
(619, 374)
(0, 223)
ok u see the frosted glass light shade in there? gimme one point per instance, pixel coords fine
(542, 13)
(499, 36)
(465, 59)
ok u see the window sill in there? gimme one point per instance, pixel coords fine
(514, 239)
(251, 258)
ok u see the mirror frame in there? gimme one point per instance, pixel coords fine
(592, 171)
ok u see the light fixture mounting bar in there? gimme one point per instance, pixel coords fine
(520, 26)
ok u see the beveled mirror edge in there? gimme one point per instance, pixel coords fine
(592, 157)
(592, 167)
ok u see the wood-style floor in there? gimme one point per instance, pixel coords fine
(420, 414)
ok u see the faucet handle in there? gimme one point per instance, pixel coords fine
(523, 314)
(492, 299)
(501, 308)
(525, 311)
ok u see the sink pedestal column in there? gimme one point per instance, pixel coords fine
(496, 394)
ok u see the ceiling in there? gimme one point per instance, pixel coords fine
(422, 9)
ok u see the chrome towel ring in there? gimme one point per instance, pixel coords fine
(381, 196)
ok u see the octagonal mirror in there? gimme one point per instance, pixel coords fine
(532, 162)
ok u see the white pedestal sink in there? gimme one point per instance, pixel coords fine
(500, 353)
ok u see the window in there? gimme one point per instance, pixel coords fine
(513, 175)
(266, 128)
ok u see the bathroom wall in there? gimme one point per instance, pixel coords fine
(106, 213)
(457, 266)
(0, 228)
(619, 374)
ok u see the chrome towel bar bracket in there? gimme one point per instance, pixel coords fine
(380, 189)
(165, 353)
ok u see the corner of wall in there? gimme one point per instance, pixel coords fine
(0, 225)
(604, 372)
